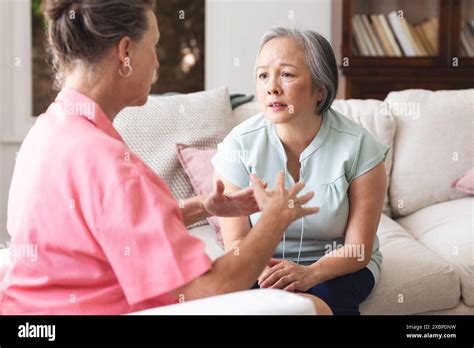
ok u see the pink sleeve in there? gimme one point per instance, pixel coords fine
(146, 243)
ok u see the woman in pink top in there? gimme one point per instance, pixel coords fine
(109, 236)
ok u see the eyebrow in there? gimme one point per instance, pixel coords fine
(282, 64)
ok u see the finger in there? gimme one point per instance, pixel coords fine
(219, 187)
(308, 211)
(291, 287)
(260, 277)
(273, 261)
(258, 191)
(293, 191)
(272, 279)
(305, 198)
(280, 181)
(271, 270)
(283, 282)
(244, 193)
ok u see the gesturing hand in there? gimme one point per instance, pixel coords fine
(240, 203)
(282, 203)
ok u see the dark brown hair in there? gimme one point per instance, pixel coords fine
(84, 30)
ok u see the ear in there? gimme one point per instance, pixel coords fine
(319, 94)
(124, 46)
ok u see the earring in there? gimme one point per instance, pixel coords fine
(126, 64)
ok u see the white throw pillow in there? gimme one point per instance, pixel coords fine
(152, 131)
(433, 146)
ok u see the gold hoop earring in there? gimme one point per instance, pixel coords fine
(126, 64)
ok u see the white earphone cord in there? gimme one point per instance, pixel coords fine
(301, 238)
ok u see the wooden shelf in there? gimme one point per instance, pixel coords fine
(376, 76)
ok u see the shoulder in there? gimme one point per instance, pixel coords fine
(252, 125)
(344, 126)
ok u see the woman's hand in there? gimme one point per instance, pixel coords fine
(240, 203)
(281, 203)
(287, 275)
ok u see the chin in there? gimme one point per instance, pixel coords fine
(278, 117)
(140, 101)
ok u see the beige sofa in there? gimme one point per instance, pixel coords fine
(426, 231)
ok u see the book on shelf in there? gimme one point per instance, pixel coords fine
(401, 34)
(382, 36)
(372, 37)
(467, 40)
(359, 40)
(392, 36)
(389, 33)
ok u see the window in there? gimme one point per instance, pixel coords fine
(180, 52)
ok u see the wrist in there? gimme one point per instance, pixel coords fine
(201, 201)
(274, 221)
(315, 272)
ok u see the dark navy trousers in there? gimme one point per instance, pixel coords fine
(344, 294)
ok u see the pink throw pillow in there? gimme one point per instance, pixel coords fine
(197, 165)
(465, 183)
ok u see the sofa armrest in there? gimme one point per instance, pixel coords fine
(248, 302)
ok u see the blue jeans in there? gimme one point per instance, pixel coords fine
(344, 294)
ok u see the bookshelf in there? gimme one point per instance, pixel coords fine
(393, 45)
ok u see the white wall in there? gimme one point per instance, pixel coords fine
(234, 29)
(15, 91)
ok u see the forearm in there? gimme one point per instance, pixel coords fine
(193, 210)
(337, 263)
(240, 268)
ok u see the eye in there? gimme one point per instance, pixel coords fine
(285, 74)
(262, 76)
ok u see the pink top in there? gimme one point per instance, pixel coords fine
(94, 230)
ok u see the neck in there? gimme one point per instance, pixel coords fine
(297, 134)
(99, 91)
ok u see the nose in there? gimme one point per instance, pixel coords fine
(274, 88)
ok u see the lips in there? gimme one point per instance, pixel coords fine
(276, 104)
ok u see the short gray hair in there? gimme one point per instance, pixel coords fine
(319, 58)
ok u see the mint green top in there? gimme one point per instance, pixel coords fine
(341, 151)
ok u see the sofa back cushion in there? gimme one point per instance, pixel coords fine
(152, 131)
(368, 113)
(433, 146)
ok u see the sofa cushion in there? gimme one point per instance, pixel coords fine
(433, 146)
(368, 113)
(446, 229)
(413, 279)
(460, 309)
(200, 119)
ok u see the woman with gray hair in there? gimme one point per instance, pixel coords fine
(333, 255)
(110, 237)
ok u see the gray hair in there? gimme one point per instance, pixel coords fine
(319, 58)
(81, 31)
